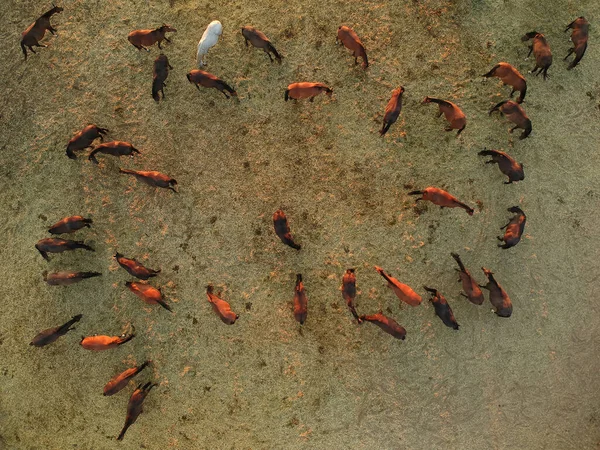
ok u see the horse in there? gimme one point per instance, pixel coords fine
(32, 36)
(258, 39)
(209, 39)
(541, 51)
(579, 37)
(510, 76)
(516, 114)
(160, 72)
(208, 80)
(84, 139)
(141, 39)
(452, 113)
(351, 41)
(306, 90)
(392, 110)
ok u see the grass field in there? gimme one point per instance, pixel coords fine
(527, 382)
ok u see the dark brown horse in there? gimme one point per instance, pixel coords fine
(208, 80)
(579, 37)
(84, 139)
(541, 51)
(160, 73)
(32, 36)
(141, 39)
(516, 114)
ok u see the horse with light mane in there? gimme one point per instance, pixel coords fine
(210, 37)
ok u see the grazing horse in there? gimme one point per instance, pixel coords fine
(258, 39)
(84, 139)
(160, 73)
(114, 148)
(541, 51)
(208, 80)
(209, 39)
(579, 37)
(516, 114)
(32, 36)
(306, 90)
(441, 198)
(351, 41)
(510, 76)
(141, 39)
(452, 113)
(392, 110)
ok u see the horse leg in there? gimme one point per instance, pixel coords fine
(167, 39)
(31, 48)
(52, 30)
(312, 99)
(268, 54)
(159, 45)
(24, 50)
(355, 60)
(571, 50)
(225, 94)
(41, 45)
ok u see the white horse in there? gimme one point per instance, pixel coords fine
(209, 39)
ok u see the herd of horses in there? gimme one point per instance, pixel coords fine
(143, 40)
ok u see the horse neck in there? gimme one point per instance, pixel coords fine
(159, 32)
(50, 13)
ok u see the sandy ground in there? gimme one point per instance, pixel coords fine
(527, 382)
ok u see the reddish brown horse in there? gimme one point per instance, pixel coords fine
(296, 91)
(141, 39)
(510, 76)
(351, 41)
(32, 36)
(208, 80)
(579, 37)
(258, 39)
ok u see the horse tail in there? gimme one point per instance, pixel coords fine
(363, 55)
(189, 77)
(579, 52)
(527, 131)
(275, 53)
(156, 85)
(24, 49)
(287, 95)
(522, 93)
(71, 154)
(227, 87)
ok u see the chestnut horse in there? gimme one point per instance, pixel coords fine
(32, 36)
(141, 39)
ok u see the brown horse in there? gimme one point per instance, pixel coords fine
(258, 39)
(114, 148)
(579, 37)
(208, 80)
(141, 39)
(32, 36)
(84, 139)
(351, 41)
(510, 76)
(392, 110)
(441, 198)
(296, 91)
(541, 51)
(452, 113)
(516, 114)
(160, 72)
